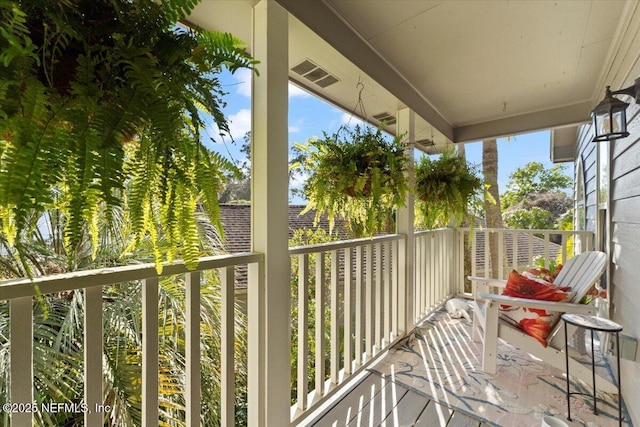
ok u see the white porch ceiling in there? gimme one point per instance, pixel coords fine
(469, 69)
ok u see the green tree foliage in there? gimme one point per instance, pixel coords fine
(532, 218)
(533, 178)
(98, 93)
(534, 198)
(59, 331)
(237, 189)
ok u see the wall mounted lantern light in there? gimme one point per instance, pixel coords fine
(610, 117)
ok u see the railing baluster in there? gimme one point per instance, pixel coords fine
(358, 307)
(459, 278)
(303, 330)
(546, 249)
(192, 344)
(21, 347)
(395, 311)
(378, 320)
(150, 351)
(433, 274)
(439, 253)
(514, 259)
(387, 293)
(348, 321)
(320, 341)
(474, 255)
(228, 346)
(369, 304)
(93, 352)
(419, 277)
(428, 272)
(488, 268)
(335, 322)
(530, 237)
(500, 254)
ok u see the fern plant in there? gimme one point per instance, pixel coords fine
(357, 174)
(445, 188)
(96, 93)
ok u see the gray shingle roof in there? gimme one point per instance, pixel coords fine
(236, 223)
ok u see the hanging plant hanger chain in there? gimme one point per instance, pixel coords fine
(359, 105)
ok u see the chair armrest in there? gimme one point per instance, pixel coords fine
(563, 307)
(491, 282)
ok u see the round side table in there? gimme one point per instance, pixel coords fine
(592, 323)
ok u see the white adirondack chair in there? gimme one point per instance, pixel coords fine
(580, 273)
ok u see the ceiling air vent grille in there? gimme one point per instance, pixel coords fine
(385, 118)
(317, 75)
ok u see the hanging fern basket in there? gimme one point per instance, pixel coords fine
(101, 110)
(358, 175)
(446, 187)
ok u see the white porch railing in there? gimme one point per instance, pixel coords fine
(516, 250)
(20, 294)
(434, 270)
(349, 301)
(345, 312)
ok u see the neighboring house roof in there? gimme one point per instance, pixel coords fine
(236, 223)
(523, 255)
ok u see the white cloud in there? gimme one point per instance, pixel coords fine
(239, 125)
(243, 80)
(296, 91)
(351, 120)
(296, 127)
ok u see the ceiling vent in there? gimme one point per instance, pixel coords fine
(317, 75)
(385, 118)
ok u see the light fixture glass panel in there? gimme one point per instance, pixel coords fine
(619, 122)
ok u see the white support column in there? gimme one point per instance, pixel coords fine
(193, 395)
(405, 225)
(21, 358)
(93, 352)
(228, 398)
(150, 364)
(269, 229)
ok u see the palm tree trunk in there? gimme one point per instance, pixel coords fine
(466, 246)
(493, 213)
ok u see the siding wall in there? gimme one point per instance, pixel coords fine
(620, 70)
(624, 191)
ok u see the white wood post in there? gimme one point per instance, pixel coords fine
(150, 364)
(227, 364)
(192, 343)
(405, 225)
(303, 330)
(320, 324)
(21, 347)
(93, 345)
(269, 217)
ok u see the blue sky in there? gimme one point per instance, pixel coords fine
(310, 116)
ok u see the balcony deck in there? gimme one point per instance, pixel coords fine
(377, 401)
(434, 378)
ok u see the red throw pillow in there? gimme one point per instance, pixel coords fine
(535, 322)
